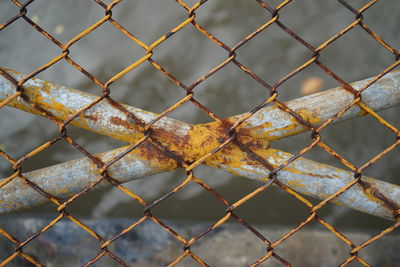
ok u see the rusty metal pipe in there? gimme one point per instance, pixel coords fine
(272, 123)
(68, 178)
(318, 180)
(198, 139)
(103, 118)
(304, 176)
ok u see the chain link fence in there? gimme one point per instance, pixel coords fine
(238, 144)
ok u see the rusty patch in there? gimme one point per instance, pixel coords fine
(257, 144)
(371, 190)
(118, 121)
(317, 175)
(130, 115)
(91, 117)
(151, 153)
(169, 137)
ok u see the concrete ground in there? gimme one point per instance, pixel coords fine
(231, 245)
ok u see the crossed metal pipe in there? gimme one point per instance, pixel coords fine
(192, 142)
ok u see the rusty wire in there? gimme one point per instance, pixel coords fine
(231, 135)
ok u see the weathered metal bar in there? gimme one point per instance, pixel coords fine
(66, 179)
(304, 176)
(103, 118)
(272, 123)
(193, 141)
(318, 180)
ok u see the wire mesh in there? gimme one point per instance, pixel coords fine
(230, 134)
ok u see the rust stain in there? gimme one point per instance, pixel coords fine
(151, 153)
(170, 138)
(317, 175)
(374, 194)
(120, 122)
(91, 117)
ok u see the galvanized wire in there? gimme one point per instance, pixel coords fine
(230, 134)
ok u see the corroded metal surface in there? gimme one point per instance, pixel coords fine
(66, 179)
(103, 118)
(320, 181)
(273, 123)
(192, 142)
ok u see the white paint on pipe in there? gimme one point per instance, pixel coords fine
(102, 118)
(66, 179)
(275, 123)
(321, 181)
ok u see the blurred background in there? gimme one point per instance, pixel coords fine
(188, 55)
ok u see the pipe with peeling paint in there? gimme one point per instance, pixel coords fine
(66, 179)
(272, 123)
(103, 118)
(319, 180)
(303, 175)
(106, 119)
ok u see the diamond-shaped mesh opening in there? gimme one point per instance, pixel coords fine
(353, 144)
(309, 81)
(374, 18)
(269, 54)
(384, 257)
(65, 74)
(270, 208)
(16, 135)
(84, 206)
(144, 85)
(353, 45)
(240, 247)
(62, 26)
(40, 52)
(116, 203)
(232, 22)
(296, 16)
(54, 154)
(48, 249)
(149, 237)
(184, 54)
(384, 171)
(146, 28)
(189, 209)
(224, 85)
(332, 249)
(94, 50)
(62, 73)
